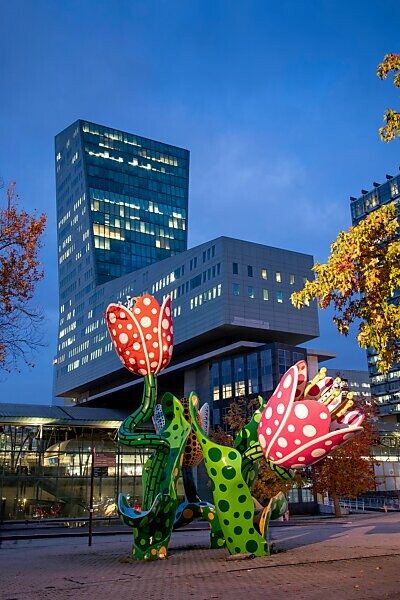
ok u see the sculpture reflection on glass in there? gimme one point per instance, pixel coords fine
(301, 423)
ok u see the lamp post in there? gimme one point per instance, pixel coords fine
(91, 498)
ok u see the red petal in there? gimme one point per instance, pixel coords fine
(318, 448)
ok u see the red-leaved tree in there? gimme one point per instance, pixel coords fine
(349, 471)
(20, 271)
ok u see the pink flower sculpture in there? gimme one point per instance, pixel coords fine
(305, 421)
(142, 334)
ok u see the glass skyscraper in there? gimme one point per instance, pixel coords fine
(122, 203)
(133, 190)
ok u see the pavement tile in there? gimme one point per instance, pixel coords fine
(340, 561)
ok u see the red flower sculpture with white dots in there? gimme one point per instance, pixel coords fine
(304, 421)
(142, 334)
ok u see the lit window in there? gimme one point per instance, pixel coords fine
(291, 279)
(265, 295)
(264, 273)
(278, 277)
(236, 289)
(279, 297)
(249, 271)
(250, 291)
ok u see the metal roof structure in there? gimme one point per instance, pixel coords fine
(42, 414)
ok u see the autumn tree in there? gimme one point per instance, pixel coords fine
(349, 470)
(390, 64)
(239, 413)
(20, 271)
(360, 281)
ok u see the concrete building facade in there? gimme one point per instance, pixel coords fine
(235, 329)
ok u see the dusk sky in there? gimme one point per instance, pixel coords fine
(279, 104)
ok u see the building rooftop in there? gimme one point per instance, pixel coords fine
(41, 414)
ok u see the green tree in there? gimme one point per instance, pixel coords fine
(390, 63)
(20, 271)
(360, 280)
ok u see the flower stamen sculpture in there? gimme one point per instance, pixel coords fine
(305, 421)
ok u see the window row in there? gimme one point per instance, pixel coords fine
(191, 284)
(264, 273)
(139, 182)
(135, 140)
(201, 299)
(251, 293)
(126, 158)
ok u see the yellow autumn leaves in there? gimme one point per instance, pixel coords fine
(360, 280)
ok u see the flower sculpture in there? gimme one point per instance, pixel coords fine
(142, 333)
(301, 424)
(143, 337)
(305, 421)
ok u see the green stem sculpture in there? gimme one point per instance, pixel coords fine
(230, 479)
(152, 526)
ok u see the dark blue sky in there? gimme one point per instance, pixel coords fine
(278, 102)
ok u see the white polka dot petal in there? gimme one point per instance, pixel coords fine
(318, 452)
(145, 322)
(300, 410)
(309, 431)
(288, 381)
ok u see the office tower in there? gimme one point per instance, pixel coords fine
(126, 196)
(122, 204)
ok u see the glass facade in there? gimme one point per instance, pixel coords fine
(45, 472)
(266, 370)
(138, 194)
(249, 374)
(132, 193)
(252, 373)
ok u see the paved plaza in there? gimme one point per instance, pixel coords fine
(355, 557)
